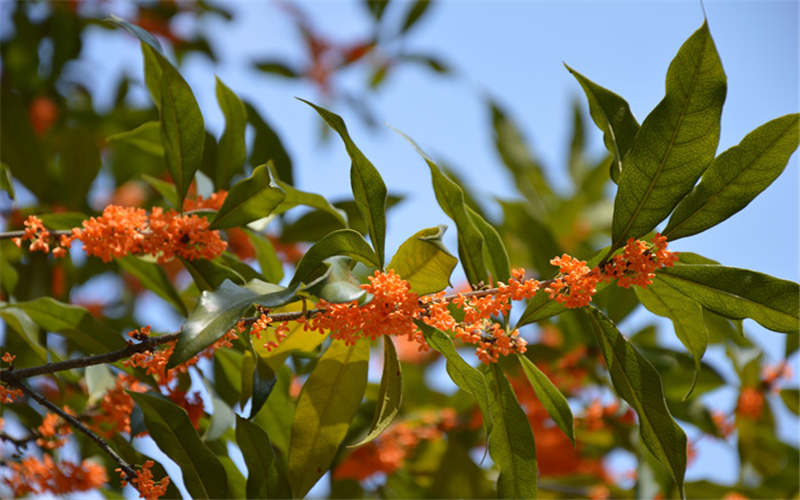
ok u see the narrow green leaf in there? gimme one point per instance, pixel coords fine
(263, 383)
(146, 137)
(451, 199)
(218, 311)
(73, 322)
(511, 443)
(295, 197)
(414, 14)
(736, 177)
(6, 183)
(209, 274)
(278, 412)
(553, 400)
(369, 190)
(791, 398)
(376, 7)
(497, 260)
(327, 403)
(152, 277)
(342, 242)
(271, 266)
(258, 456)
(232, 150)
(276, 67)
(466, 377)
(577, 145)
(164, 188)
(170, 427)
(638, 383)
(20, 148)
(222, 417)
(28, 331)
(738, 293)
(390, 394)
(424, 262)
(686, 315)
(267, 146)
(338, 284)
(676, 142)
(613, 116)
(138, 32)
(249, 199)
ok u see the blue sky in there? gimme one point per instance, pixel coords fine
(514, 51)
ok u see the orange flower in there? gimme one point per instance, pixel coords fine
(51, 434)
(8, 358)
(750, 404)
(60, 478)
(148, 489)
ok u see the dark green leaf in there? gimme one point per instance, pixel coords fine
(218, 311)
(736, 177)
(170, 427)
(686, 315)
(271, 266)
(497, 260)
(232, 150)
(152, 277)
(417, 10)
(146, 137)
(451, 199)
(638, 383)
(267, 146)
(432, 63)
(552, 399)
(78, 161)
(339, 284)
(329, 400)
(209, 274)
(222, 417)
(791, 398)
(369, 190)
(164, 188)
(533, 234)
(138, 32)
(342, 242)
(739, 293)
(613, 116)
(249, 199)
(6, 183)
(511, 443)
(424, 262)
(676, 142)
(20, 148)
(263, 383)
(275, 67)
(276, 417)
(390, 393)
(376, 7)
(258, 456)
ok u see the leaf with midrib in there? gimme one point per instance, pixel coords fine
(232, 150)
(739, 293)
(169, 426)
(638, 383)
(390, 394)
(736, 177)
(498, 262)
(612, 114)
(249, 199)
(424, 262)
(258, 456)
(326, 405)
(553, 400)
(342, 242)
(369, 190)
(676, 142)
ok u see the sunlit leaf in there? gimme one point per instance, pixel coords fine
(424, 262)
(552, 399)
(342, 242)
(232, 150)
(390, 394)
(249, 199)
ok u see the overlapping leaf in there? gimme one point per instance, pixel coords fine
(249, 199)
(424, 262)
(232, 150)
(553, 400)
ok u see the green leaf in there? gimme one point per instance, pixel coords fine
(638, 383)
(298, 339)
(686, 315)
(511, 443)
(263, 383)
(249, 199)
(613, 116)
(258, 456)
(390, 394)
(369, 190)
(271, 266)
(146, 137)
(342, 242)
(376, 7)
(424, 262)
(467, 378)
(20, 148)
(218, 311)
(415, 12)
(99, 379)
(267, 146)
(497, 260)
(164, 188)
(275, 67)
(676, 142)
(170, 427)
(295, 197)
(553, 400)
(222, 417)
(28, 331)
(276, 417)
(209, 274)
(738, 293)
(338, 285)
(152, 277)
(73, 322)
(6, 183)
(736, 177)
(330, 398)
(232, 150)
(791, 398)
(516, 156)
(451, 199)
(530, 231)
(138, 32)
(78, 162)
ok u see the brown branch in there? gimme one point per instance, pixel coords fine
(19, 234)
(129, 471)
(18, 442)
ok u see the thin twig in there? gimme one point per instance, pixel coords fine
(19, 234)
(18, 442)
(129, 471)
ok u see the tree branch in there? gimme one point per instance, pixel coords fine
(129, 471)
(19, 234)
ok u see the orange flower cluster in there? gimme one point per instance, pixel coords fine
(387, 453)
(8, 395)
(117, 405)
(576, 283)
(393, 309)
(750, 404)
(34, 476)
(51, 434)
(213, 202)
(143, 482)
(123, 231)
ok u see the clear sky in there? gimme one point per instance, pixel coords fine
(514, 50)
